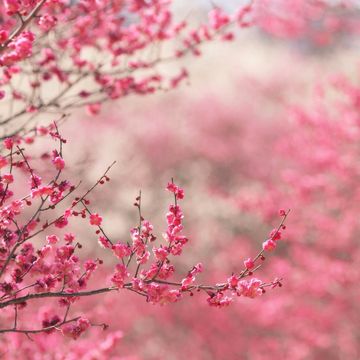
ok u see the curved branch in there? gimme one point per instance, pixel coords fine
(58, 294)
(38, 331)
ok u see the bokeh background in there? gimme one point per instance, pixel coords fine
(270, 120)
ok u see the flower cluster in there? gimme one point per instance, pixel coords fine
(36, 262)
(124, 31)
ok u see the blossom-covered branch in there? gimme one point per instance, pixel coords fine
(131, 44)
(33, 269)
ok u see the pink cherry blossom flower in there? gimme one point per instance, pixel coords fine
(59, 163)
(52, 239)
(8, 178)
(95, 219)
(249, 263)
(269, 245)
